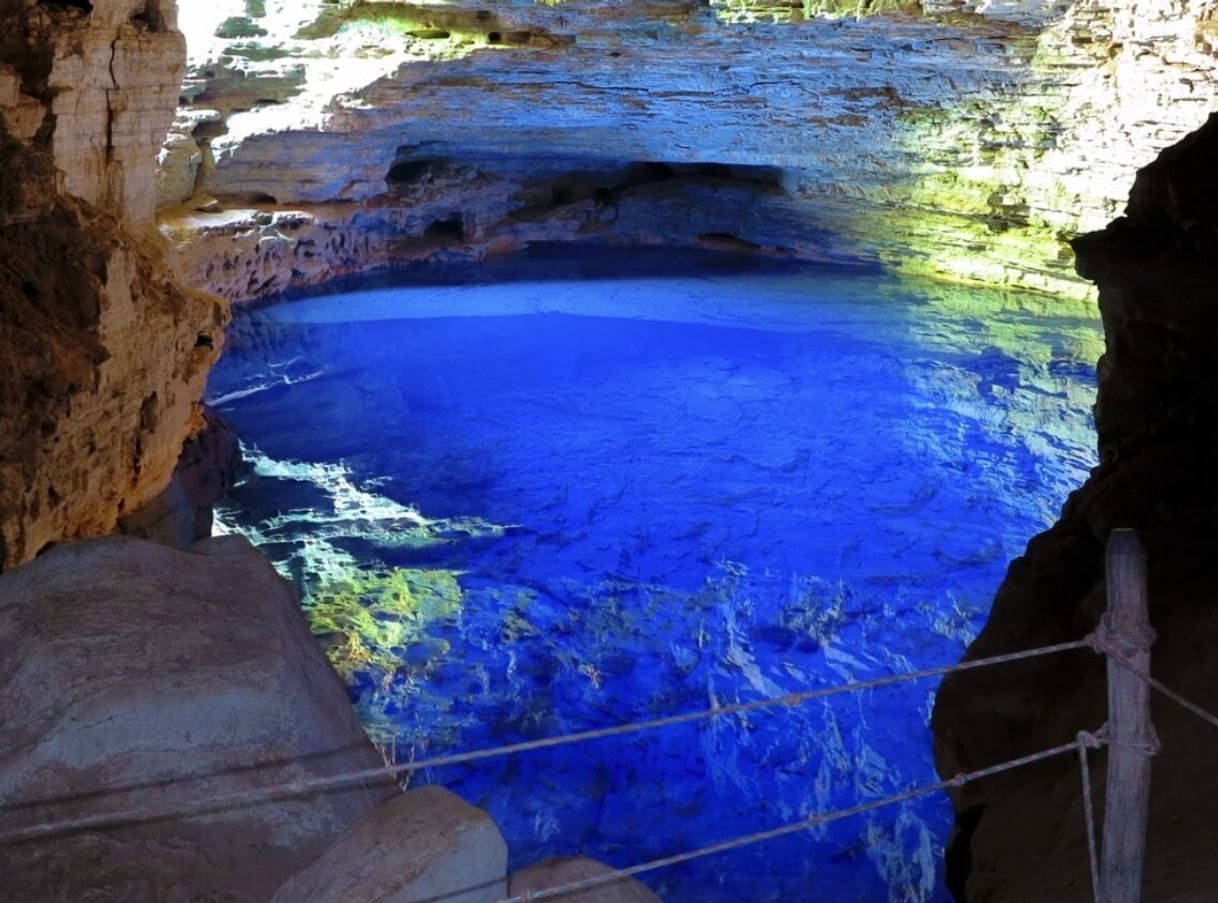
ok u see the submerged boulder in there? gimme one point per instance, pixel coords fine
(138, 676)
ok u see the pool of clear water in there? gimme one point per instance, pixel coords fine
(518, 510)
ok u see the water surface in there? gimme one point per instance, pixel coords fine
(524, 509)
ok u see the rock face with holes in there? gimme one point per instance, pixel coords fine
(102, 353)
(1020, 837)
(966, 144)
(199, 663)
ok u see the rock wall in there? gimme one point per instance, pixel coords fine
(96, 84)
(963, 142)
(102, 354)
(1021, 838)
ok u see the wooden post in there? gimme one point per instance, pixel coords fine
(1128, 792)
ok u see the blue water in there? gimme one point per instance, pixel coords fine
(569, 504)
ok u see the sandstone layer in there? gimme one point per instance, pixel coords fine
(1020, 837)
(148, 678)
(103, 354)
(970, 143)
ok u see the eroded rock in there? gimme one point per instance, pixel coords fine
(101, 80)
(103, 355)
(102, 359)
(970, 145)
(210, 464)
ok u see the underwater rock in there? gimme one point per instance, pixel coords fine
(426, 844)
(563, 870)
(138, 676)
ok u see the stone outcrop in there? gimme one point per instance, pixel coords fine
(102, 358)
(137, 676)
(210, 464)
(1021, 837)
(102, 354)
(426, 844)
(96, 84)
(455, 216)
(968, 144)
(569, 869)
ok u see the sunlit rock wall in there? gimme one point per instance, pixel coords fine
(970, 143)
(1021, 836)
(96, 84)
(102, 354)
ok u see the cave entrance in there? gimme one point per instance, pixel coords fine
(542, 505)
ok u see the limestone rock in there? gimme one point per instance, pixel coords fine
(424, 845)
(256, 252)
(102, 359)
(181, 515)
(140, 676)
(102, 355)
(556, 872)
(104, 77)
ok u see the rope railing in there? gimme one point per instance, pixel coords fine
(813, 821)
(1089, 741)
(1123, 636)
(337, 781)
(1103, 641)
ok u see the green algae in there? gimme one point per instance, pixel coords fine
(377, 615)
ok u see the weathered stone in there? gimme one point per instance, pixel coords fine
(210, 464)
(105, 78)
(137, 676)
(102, 359)
(102, 355)
(425, 845)
(557, 872)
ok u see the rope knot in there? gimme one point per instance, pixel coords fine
(958, 781)
(1093, 741)
(1104, 640)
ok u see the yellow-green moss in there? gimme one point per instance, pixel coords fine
(372, 617)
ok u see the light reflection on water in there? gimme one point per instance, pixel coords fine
(526, 509)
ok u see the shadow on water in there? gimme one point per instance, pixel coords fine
(544, 505)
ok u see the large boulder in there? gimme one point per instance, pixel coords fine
(425, 845)
(138, 676)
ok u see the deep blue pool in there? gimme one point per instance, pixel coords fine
(525, 509)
